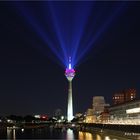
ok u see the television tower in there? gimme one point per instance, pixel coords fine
(70, 73)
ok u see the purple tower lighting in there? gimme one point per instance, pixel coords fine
(70, 73)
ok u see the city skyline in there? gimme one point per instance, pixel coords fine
(32, 82)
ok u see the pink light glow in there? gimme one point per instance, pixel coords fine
(70, 71)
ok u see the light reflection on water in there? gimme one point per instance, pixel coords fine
(107, 138)
(98, 137)
(85, 136)
(47, 133)
(14, 134)
(70, 135)
(90, 136)
(11, 133)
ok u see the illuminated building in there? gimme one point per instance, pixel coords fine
(41, 117)
(105, 116)
(70, 73)
(89, 112)
(124, 96)
(130, 94)
(90, 118)
(98, 105)
(118, 98)
(126, 110)
(77, 115)
(98, 112)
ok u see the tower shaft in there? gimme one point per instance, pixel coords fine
(70, 103)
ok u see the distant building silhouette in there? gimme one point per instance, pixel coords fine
(58, 113)
(124, 96)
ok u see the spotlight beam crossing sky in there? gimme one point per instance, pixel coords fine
(67, 21)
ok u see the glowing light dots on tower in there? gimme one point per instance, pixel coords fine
(70, 73)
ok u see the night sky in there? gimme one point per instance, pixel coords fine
(32, 79)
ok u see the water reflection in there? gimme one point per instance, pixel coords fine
(46, 133)
(98, 137)
(85, 136)
(107, 138)
(70, 135)
(14, 134)
(90, 136)
(11, 133)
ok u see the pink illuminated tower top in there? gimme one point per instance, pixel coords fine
(69, 72)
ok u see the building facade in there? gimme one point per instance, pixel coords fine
(98, 105)
(90, 118)
(126, 111)
(124, 96)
